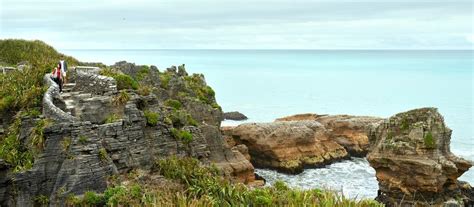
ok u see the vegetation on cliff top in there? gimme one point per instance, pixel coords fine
(21, 92)
(203, 186)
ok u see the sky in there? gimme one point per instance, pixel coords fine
(243, 24)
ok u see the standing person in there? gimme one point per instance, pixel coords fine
(63, 66)
(56, 76)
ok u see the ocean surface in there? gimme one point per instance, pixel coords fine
(267, 84)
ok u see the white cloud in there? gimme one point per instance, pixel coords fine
(349, 24)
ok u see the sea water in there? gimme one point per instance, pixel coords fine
(267, 84)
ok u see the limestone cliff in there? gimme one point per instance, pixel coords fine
(413, 162)
(96, 131)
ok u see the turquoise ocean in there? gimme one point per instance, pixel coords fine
(268, 84)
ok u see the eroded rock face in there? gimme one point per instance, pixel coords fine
(288, 146)
(412, 159)
(348, 131)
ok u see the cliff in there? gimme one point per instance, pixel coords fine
(108, 121)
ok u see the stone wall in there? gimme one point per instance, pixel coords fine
(50, 110)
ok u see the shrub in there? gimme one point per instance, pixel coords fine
(38, 134)
(122, 98)
(82, 139)
(144, 90)
(143, 72)
(41, 200)
(66, 143)
(20, 157)
(429, 141)
(125, 82)
(103, 156)
(111, 118)
(173, 103)
(93, 199)
(151, 118)
(165, 78)
(182, 135)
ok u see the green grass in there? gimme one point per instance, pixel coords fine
(22, 90)
(429, 141)
(173, 104)
(83, 139)
(66, 143)
(122, 98)
(182, 135)
(103, 156)
(19, 156)
(111, 118)
(124, 81)
(204, 186)
(151, 118)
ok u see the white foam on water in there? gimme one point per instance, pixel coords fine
(353, 178)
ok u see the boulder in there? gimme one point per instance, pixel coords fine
(414, 165)
(288, 146)
(234, 115)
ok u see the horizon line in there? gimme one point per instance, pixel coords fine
(341, 49)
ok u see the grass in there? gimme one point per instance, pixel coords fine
(123, 81)
(111, 118)
(122, 98)
(103, 156)
(151, 118)
(41, 200)
(38, 140)
(66, 143)
(173, 104)
(182, 135)
(19, 156)
(429, 141)
(83, 139)
(203, 186)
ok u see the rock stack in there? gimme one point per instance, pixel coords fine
(411, 155)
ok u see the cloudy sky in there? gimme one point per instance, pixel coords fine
(243, 24)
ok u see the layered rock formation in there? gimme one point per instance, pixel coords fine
(93, 136)
(348, 131)
(414, 165)
(288, 146)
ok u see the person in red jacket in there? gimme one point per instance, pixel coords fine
(56, 76)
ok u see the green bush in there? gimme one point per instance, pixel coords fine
(143, 72)
(19, 156)
(165, 78)
(103, 156)
(125, 82)
(38, 140)
(122, 98)
(151, 118)
(429, 141)
(82, 139)
(111, 118)
(91, 198)
(182, 135)
(41, 200)
(173, 103)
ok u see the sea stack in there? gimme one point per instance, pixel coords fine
(414, 166)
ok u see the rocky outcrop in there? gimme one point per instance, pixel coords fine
(348, 131)
(81, 151)
(287, 146)
(413, 162)
(234, 115)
